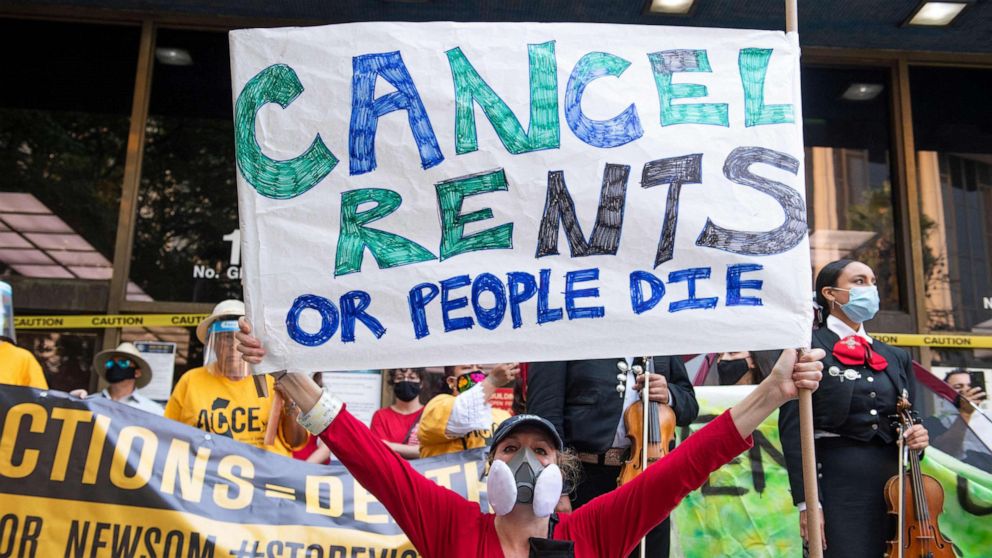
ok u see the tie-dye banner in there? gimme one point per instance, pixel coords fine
(745, 509)
(411, 192)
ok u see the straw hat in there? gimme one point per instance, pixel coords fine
(225, 309)
(124, 350)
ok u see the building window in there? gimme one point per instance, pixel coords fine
(187, 246)
(66, 357)
(951, 125)
(849, 182)
(64, 118)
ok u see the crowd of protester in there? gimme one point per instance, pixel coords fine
(581, 405)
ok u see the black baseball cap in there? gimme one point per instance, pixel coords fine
(516, 421)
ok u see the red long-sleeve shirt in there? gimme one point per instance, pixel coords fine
(441, 523)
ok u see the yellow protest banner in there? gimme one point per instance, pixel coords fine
(96, 478)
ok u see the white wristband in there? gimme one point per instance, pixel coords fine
(317, 419)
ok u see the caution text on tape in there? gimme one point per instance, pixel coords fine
(108, 321)
(103, 321)
(936, 340)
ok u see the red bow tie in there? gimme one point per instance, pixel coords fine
(856, 351)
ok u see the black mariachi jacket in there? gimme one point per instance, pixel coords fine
(580, 398)
(852, 401)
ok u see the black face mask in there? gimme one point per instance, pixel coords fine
(118, 374)
(731, 370)
(406, 391)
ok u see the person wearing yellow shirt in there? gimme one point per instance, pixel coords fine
(464, 419)
(219, 397)
(17, 366)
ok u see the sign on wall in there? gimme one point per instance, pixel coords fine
(420, 194)
(360, 389)
(161, 356)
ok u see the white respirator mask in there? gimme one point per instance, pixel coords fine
(524, 480)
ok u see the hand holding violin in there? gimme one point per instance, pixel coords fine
(917, 437)
(657, 388)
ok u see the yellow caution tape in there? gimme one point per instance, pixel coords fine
(946, 341)
(940, 341)
(108, 321)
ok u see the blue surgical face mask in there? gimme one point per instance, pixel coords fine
(862, 305)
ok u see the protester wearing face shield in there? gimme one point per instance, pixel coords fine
(17, 366)
(125, 373)
(396, 425)
(465, 418)
(220, 398)
(856, 444)
(525, 485)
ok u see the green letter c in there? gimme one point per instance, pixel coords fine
(279, 180)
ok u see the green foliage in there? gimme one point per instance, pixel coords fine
(73, 162)
(188, 201)
(875, 213)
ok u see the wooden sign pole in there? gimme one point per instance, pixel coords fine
(810, 488)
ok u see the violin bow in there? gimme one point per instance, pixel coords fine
(901, 516)
(645, 408)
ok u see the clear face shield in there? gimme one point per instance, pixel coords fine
(220, 354)
(7, 312)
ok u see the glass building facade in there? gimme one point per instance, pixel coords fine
(117, 183)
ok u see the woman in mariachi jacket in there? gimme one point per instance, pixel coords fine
(855, 431)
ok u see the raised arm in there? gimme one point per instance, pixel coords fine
(641, 504)
(636, 507)
(469, 411)
(423, 510)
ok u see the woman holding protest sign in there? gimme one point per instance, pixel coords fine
(856, 439)
(527, 459)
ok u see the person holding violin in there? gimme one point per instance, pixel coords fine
(586, 401)
(526, 474)
(854, 417)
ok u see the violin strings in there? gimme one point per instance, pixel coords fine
(919, 499)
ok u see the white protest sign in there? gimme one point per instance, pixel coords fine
(161, 356)
(360, 389)
(429, 193)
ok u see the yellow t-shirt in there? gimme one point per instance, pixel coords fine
(20, 368)
(431, 432)
(226, 407)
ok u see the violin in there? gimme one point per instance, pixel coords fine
(918, 535)
(647, 444)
